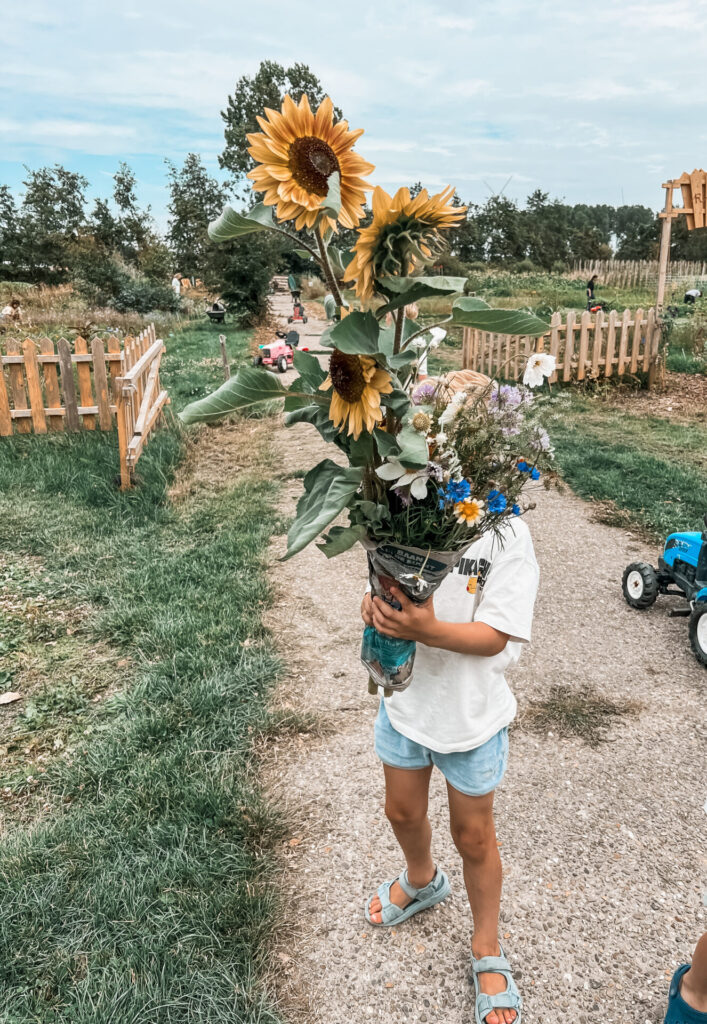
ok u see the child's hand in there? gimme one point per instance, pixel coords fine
(412, 622)
(367, 609)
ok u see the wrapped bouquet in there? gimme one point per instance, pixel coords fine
(423, 467)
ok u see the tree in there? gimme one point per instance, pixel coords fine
(51, 216)
(266, 88)
(547, 229)
(10, 262)
(134, 224)
(500, 225)
(195, 199)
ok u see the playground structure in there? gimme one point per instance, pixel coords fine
(693, 188)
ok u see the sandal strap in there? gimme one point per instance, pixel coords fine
(418, 894)
(490, 964)
(504, 1000)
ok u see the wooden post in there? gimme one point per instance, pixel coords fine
(125, 475)
(224, 357)
(664, 254)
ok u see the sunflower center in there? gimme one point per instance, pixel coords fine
(347, 376)
(311, 161)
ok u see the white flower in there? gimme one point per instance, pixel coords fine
(440, 438)
(540, 365)
(415, 479)
(437, 335)
(453, 408)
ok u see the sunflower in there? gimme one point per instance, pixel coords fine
(296, 152)
(358, 384)
(405, 233)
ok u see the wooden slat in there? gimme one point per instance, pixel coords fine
(583, 344)
(5, 418)
(100, 381)
(51, 384)
(114, 350)
(555, 322)
(623, 342)
(17, 385)
(139, 367)
(137, 443)
(698, 209)
(636, 340)
(43, 359)
(597, 342)
(34, 387)
(610, 344)
(569, 346)
(67, 385)
(648, 339)
(85, 389)
(146, 404)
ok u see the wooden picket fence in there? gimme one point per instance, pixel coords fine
(589, 346)
(44, 388)
(638, 273)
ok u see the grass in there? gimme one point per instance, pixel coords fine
(567, 713)
(652, 468)
(136, 881)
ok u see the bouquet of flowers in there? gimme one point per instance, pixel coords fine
(423, 467)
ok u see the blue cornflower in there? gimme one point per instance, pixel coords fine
(534, 474)
(523, 466)
(516, 510)
(457, 490)
(496, 502)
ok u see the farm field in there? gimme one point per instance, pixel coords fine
(134, 845)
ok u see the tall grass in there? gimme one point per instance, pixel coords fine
(145, 891)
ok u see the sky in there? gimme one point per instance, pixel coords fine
(595, 102)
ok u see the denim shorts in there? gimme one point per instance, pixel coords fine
(473, 772)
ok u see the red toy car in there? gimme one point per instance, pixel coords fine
(279, 353)
(298, 315)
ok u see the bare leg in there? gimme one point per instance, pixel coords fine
(474, 834)
(406, 795)
(693, 986)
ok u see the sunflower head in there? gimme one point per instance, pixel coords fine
(406, 233)
(357, 383)
(296, 153)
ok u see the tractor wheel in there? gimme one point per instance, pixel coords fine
(282, 364)
(290, 319)
(304, 319)
(698, 632)
(257, 360)
(640, 585)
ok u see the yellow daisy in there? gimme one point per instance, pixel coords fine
(358, 383)
(469, 511)
(296, 153)
(405, 234)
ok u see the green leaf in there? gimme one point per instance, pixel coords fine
(249, 387)
(318, 416)
(303, 253)
(469, 303)
(413, 448)
(331, 204)
(397, 401)
(341, 538)
(360, 451)
(500, 321)
(386, 338)
(232, 225)
(402, 290)
(309, 369)
(327, 490)
(356, 334)
(339, 260)
(329, 307)
(386, 443)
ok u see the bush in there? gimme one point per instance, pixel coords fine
(242, 270)
(526, 267)
(139, 295)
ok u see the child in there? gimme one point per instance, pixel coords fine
(455, 715)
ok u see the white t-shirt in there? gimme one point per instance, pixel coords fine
(458, 701)
(176, 285)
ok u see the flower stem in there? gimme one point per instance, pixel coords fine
(326, 267)
(399, 321)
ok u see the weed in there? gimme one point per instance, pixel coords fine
(568, 712)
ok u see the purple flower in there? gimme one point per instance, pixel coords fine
(405, 496)
(424, 392)
(541, 440)
(505, 398)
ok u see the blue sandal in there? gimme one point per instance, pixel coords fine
(680, 1012)
(432, 893)
(508, 1000)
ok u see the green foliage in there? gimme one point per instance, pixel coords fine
(195, 199)
(241, 270)
(328, 488)
(104, 279)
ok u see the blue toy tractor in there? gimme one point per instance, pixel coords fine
(682, 569)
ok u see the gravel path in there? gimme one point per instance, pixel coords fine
(603, 849)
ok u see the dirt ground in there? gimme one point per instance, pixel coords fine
(603, 848)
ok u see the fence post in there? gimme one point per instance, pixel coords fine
(120, 417)
(224, 357)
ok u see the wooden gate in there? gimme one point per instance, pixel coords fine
(139, 398)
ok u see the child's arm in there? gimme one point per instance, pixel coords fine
(419, 622)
